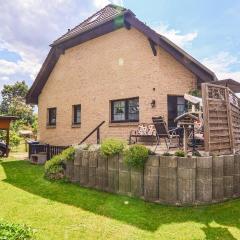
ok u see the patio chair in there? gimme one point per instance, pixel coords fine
(163, 132)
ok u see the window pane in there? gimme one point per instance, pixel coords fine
(119, 110)
(180, 100)
(180, 105)
(52, 116)
(180, 109)
(77, 114)
(133, 109)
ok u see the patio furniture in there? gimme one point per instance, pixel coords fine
(144, 130)
(163, 132)
(186, 121)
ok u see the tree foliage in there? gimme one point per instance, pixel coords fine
(14, 103)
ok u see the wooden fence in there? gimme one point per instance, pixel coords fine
(50, 150)
(221, 113)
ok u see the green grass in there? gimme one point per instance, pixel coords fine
(58, 210)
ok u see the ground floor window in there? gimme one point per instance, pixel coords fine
(76, 114)
(125, 110)
(52, 117)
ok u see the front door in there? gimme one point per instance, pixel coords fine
(176, 107)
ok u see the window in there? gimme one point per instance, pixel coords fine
(52, 116)
(176, 107)
(76, 114)
(125, 110)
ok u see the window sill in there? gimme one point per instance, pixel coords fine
(51, 126)
(123, 124)
(76, 125)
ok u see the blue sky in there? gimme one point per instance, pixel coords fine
(208, 30)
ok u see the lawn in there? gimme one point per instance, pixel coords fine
(59, 210)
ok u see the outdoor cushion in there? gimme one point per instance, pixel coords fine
(146, 130)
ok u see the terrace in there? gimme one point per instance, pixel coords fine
(209, 125)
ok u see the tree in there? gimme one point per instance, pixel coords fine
(13, 102)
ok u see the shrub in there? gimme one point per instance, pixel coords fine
(54, 168)
(111, 147)
(167, 154)
(15, 139)
(12, 231)
(136, 156)
(179, 153)
(68, 154)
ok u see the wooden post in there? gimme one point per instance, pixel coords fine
(98, 135)
(205, 116)
(230, 121)
(185, 138)
(29, 150)
(7, 142)
(48, 151)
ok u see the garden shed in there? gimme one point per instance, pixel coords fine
(5, 125)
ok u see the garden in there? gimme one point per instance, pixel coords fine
(37, 202)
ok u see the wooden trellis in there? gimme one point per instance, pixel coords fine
(221, 113)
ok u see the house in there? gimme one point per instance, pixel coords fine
(113, 68)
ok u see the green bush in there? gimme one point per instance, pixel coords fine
(69, 154)
(15, 139)
(10, 231)
(54, 168)
(179, 153)
(136, 156)
(167, 154)
(111, 147)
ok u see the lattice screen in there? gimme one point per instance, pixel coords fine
(221, 119)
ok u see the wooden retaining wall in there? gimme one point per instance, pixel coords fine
(170, 180)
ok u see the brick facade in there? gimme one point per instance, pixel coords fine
(114, 66)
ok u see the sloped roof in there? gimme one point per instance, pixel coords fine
(106, 20)
(230, 83)
(108, 13)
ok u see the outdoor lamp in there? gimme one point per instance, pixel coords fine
(153, 103)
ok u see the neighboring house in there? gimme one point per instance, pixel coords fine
(113, 68)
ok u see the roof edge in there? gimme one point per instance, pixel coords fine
(129, 18)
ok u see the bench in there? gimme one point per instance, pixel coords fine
(143, 130)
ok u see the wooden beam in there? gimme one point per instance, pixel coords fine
(127, 25)
(153, 46)
(7, 142)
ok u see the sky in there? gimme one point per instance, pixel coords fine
(208, 30)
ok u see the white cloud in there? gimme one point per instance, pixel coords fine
(175, 36)
(222, 64)
(29, 26)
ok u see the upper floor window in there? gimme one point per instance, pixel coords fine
(77, 114)
(125, 110)
(52, 116)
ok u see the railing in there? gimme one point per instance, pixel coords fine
(96, 129)
(36, 148)
(50, 150)
(54, 150)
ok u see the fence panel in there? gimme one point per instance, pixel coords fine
(49, 149)
(235, 119)
(221, 112)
